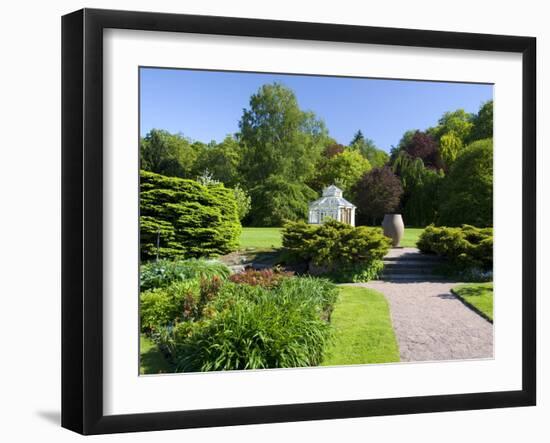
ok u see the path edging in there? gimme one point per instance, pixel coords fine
(471, 306)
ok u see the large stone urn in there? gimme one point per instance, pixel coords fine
(393, 228)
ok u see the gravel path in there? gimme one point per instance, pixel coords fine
(432, 324)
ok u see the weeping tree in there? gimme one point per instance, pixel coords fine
(421, 186)
(450, 146)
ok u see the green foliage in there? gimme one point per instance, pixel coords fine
(450, 146)
(465, 247)
(281, 146)
(166, 306)
(186, 218)
(250, 327)
(458, 122)
(221, 161)
(483, 123)
(366, 147)
(276, 200)
(243, 200)
(357, 273)
(421, 185)
(343, 169)
(266, 278)
(339, 250)
(279, 139)
(167, 154)
(377, 193)
(162, 273)
(467, 191)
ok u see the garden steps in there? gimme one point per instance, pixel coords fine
(409, 264)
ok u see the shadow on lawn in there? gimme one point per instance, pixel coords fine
(467, 291)
(152, 361)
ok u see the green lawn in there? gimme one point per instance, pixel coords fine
(261, 238)
(152, 361)
(410, 237)
(363, 329)
(478, 295)
(270, 238)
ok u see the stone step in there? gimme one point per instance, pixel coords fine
(430, 263)
(397, 269)
(414, 258)
(411, 277)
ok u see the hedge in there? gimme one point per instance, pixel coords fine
(187, 218)
(338, 250)
(465, 247)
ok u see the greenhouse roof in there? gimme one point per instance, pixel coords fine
(332, 198)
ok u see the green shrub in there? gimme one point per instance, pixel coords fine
(337, 249)
(251, 327)
(466, 247)
(267, 278)
(186, 218)
(166, 306)
(357, 273)
(162, 273)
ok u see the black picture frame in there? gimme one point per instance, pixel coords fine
(82, 218)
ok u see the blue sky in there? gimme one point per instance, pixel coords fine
(205, 105)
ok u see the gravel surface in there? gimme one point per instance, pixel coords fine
(432, 324)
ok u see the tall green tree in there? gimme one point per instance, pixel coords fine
(458, 122)
(344, 169)
(167, 154)
(278, 138)
(366, 147)
(281, 147)
(467, 192)
(482, 122)
(222, 161)
(358, 137)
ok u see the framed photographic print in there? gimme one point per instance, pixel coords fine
(269, 221)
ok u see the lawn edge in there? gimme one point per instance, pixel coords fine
(471, 306)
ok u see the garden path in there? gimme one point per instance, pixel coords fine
(429, 321)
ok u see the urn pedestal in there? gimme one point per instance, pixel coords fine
(393, 228)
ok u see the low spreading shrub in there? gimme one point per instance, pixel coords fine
(338, 250)
(162, 273)
(251, 327)
(267, 278)
(467, 248)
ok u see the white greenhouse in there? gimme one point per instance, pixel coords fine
(331, 206)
